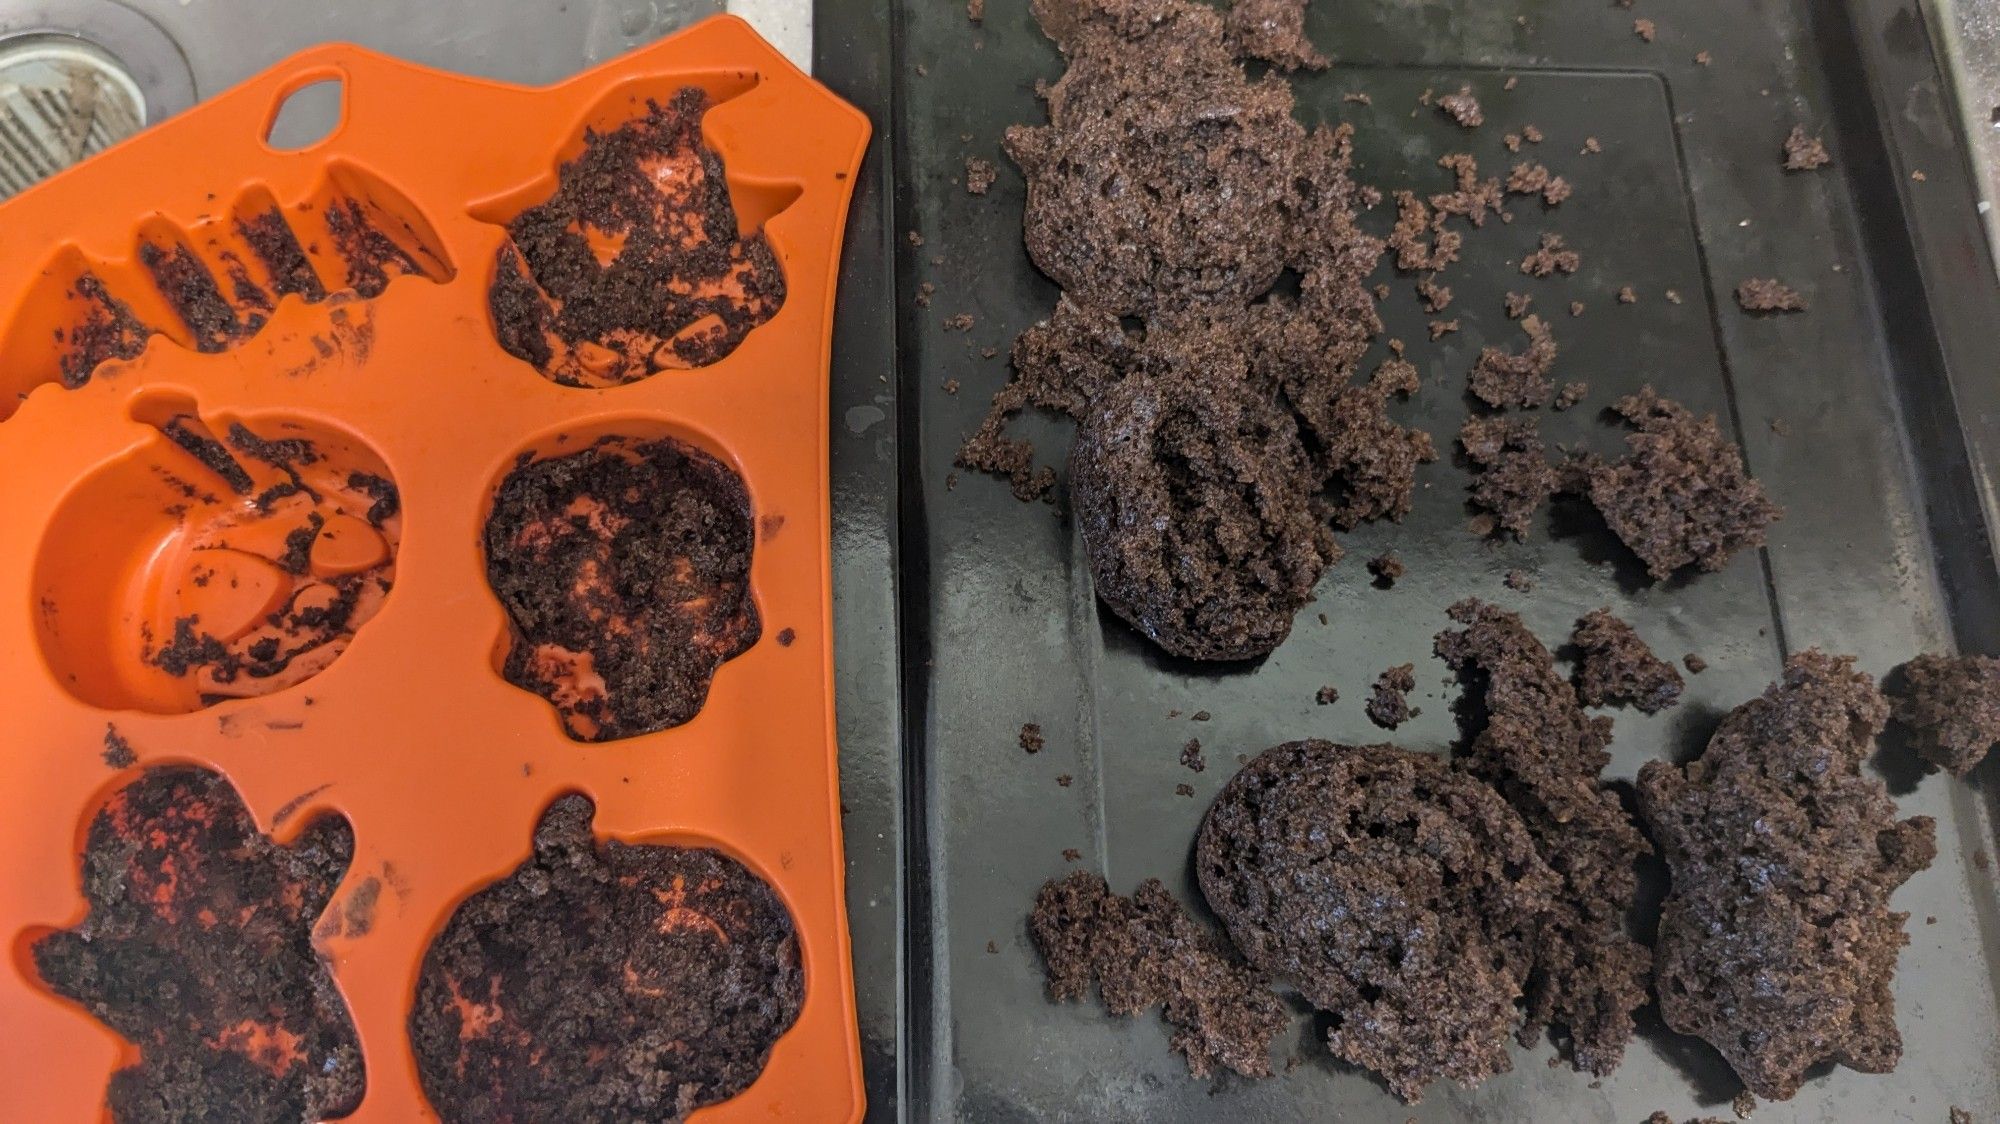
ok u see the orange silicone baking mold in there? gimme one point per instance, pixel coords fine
(442, 767)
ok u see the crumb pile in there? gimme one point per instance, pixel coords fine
(1145, 951)
(1398, 894)
(625, 572)
(1680, 496)
(198, 951)
(1951, 706)
(604, 982)
(1532, 742)
(1511, 476)
(1617, 667)
(1169, 189)
(635, 265)
(1389, 700)
(1776, 941)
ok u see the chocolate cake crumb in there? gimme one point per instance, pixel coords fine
(1512, 141)
(1695, 664)
(1327, 695)
(1274, 31)
(1617, 667)
(1950, 706)
(961, 322)
(1513, 80)
(1551, 258)
(1388, 702)
(1071, 855)
(1571, 394)
(1463, 108)
(1518, 581)
(1200, 716)
(1743, 1105)
(1776, 943)
(979, 175)
(1804, 153)
(1387, 568)
(1184, 789)
(1591, 146)
(1960, 1116)
(1145, 951)
(625, 572)
(1063, 780)
(1518, 305)
(786, 637)
(1419, 242)
(1512, 477)
(1703, 58)
(1191, 757)
(1534, 179)
(1768, 295)
(1471, 197)
(681, 289)
(1397, 894)
(1195, 502)
(1576, 308)
(1531, 134)
(1644, 29)
(1529, 738)
(1436, 297)
(605, 981)
(1031, 737)
(117, 750)
(1627, 296)
(234, 1018)
(1501, 380)
(1357, 98)
(993, 948)
(1681, 496)
(1443, 328)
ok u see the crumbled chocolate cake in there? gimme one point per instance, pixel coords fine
(271, 239)
(1471, 197)
(1502, 379)
(196, 298)
(975, 10)
(1518, 305)
(1617, 667)
(1031, 737)
(1550, 258)
(1400, 896)
(1443, 328)
(1389, 701)
(1804, 153)
(107, 330)
(1681, 496)
(979, 175)
(1420, 242)
(1518, 581)
(1463, 108)
(1571, 394)
(625, 572)
(1154, 101)
(1145, 951)
(1274, 31)
(1436, 297)
(1662, 1117)
(1511, 477)
(198, 951)
(117, 749)
(1530, 739)
(1950, 705)
(1535, 179)
(1194, 499)
(1387, 568)
(1327, 695)
(1776, 943)
(1695, 664)
(1627, 296)
(1645, 29)
(635, 264)
(1191, 757)
(604, 981)
(1743, 1105)
(1768, 295)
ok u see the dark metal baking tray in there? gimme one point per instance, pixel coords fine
(1874, 418)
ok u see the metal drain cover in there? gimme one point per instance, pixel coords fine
(61, 99)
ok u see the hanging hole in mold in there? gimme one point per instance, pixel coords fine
(307, 115)
(622, 557)
(220, 559)
(644, 254)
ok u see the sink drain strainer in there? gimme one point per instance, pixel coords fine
(61, 99)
